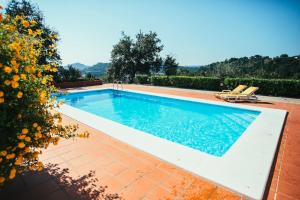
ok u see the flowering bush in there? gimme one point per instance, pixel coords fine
(28, 122)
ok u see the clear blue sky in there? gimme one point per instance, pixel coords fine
(194, 31)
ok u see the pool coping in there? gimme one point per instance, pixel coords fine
(244, 168)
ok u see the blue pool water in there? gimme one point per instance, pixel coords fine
(210, 128)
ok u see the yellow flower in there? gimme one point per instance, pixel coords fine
(15, 46)
(33, 22)
(30, 31)
(3, 153)
(2, 179)
(16, 77)
(12, 173)
(1, 94)
(14, 63)
(18, 17)
(23, 76)
(10, 156)
(1, 100)
(40, 74)
(47, 67)
(38, 135)
(7, 69)
(44, 81)
(39, 31)
(35, 124)
(27, 149)
(25, 23)
(14, 84)
(21, 145)
(27, 139)
(21, 137)
(20, 95)
(33, 68)
(24, 130)
(43, 96)
(19, 160)
(7, 82)
(27, 69)
(38, 128)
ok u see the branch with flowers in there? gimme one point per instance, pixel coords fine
(28, 122)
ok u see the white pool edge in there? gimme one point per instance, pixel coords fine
(244, 168)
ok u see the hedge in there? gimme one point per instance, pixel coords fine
(274, 87)
(142, 79)
(194, 82)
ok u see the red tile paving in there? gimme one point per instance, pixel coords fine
(101, 167)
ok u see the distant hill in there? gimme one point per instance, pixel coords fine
(279, 67)
(97, 70)
(79, 66)
(283, 66)
(100, 69)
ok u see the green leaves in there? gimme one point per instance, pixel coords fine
(280, 67)
(140, 56)
(170, 66)
(274, 87)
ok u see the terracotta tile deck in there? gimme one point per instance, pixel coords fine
(101, 167)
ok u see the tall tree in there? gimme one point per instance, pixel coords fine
(170, 66)
(146, 53)
(30, 12)
(122, 59)
(129, 57)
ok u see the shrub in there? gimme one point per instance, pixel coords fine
(195, 82)
(28, 122)
(142, 79)
(89, 76)
(69, 74)
(160, 80)
(274, 87)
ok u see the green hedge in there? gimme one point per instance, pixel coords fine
(142, 79)
(274, 87)
(195, 82)
(160, 81)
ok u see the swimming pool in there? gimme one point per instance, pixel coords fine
(209, 128)
(237, 146)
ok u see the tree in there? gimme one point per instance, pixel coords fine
(67, 74)
(75, 74)
(89, 76)
(170, 66)
(122, 58)
(146, 51)
(279, 67)
(30, 12)
(28, 122)
(140, 56)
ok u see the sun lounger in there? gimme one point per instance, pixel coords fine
(247, 95)
(236, 90)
